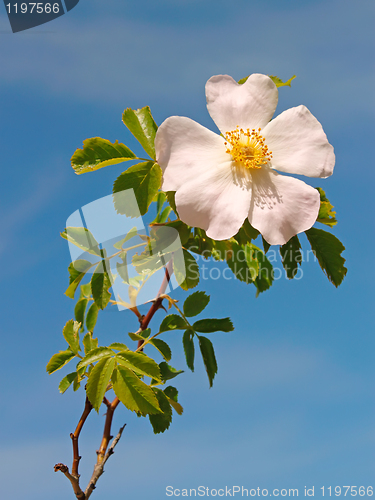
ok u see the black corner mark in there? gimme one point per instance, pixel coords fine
(25, 15)
(70, 4)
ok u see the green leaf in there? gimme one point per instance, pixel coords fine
(161, 421)
(243, 262)
(98, 381)
(184, 231)
(141, 124)
(266, 245)
(168, 372)
(250, 231)
(161, 198)
(79, 311)
(291, 256)
(77, 268)
(279, 83)
(213, 325)
(328, 249)
(118, 346)
(135, 336)
(163, 348)
(265, 276)
(326, 214)
(89, 343)
(71, 335)
(195, 303)
(133, 232)
(141, 335)
(85, 291)
(221, 249)
(251, 260)
(83, 239)
(140, 363)
(186, 270)
(276, 80)
(77, 271)
(243, 80)
(92, 316)
(172, 395)
(95, 355)
(76, 384)
(67, 381)
(209, 359)
(145, 333)
(246, 233)
(171, 200)
(201, 244)
(122, 268)
(100, 283)
(70, 291)
(144, 179)
(59, 360)
(98, 153)
(133, 392)
(189, 349)
(172, 322)
(164, 215)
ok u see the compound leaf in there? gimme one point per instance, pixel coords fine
(98, 153)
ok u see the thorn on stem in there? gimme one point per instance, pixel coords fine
(140, 319)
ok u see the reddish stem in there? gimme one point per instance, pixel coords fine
(107, 429)
(75, 436)
(155, 306)
(144, 324)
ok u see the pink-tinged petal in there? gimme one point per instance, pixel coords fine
(217, 201)
(299, 144)
(281, 206)
(250, 105)
(185, 150)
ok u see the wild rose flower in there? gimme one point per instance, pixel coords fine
(222, 179)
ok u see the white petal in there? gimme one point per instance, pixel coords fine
(185, 149)
(250, 105)
(299, 144)
(217, 201)
(281, 206)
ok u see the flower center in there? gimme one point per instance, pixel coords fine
(247, 147)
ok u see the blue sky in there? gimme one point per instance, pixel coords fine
(293, 402)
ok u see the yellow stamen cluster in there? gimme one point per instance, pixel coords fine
(247, 147)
